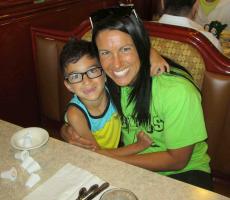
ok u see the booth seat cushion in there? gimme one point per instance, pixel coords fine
(53, 96)
(183, 54)
(216, 106)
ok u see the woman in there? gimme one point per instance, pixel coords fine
(166, 107)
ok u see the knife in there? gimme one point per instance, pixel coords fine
(97, 191)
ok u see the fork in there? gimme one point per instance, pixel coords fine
(97, 191)
(83, 192)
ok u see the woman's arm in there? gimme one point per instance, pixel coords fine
(69, 135)
(158, 161)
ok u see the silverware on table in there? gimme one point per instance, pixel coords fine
(97, 191)
(83, 192)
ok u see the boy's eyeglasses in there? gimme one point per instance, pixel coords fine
(116, 12)
(91, 73)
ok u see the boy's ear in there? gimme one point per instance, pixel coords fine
(68, 86)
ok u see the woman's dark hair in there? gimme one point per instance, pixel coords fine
(141, 92)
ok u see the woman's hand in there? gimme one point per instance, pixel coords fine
(158, 64)
(70, 136)
(143, 140)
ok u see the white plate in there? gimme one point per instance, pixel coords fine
(29, 138)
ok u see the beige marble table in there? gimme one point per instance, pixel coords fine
(55, 154)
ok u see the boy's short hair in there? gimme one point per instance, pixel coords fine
(178, 7)
(73, 51)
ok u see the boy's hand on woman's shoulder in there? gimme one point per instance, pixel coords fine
(158, 63)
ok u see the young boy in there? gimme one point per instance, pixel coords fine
(91, 112)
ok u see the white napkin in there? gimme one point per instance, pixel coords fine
(65, 184)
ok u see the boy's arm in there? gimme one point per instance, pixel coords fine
(143, 141)
(69, 135)
(158, 63)
(78, 122)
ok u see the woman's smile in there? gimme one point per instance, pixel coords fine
(121, 73)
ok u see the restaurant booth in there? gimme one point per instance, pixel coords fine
(38, 83)
(210, 69)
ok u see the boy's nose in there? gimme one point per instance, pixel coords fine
(85, 78)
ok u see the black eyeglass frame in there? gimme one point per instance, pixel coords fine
(82, 75)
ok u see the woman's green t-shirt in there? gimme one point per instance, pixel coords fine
(176, 120)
